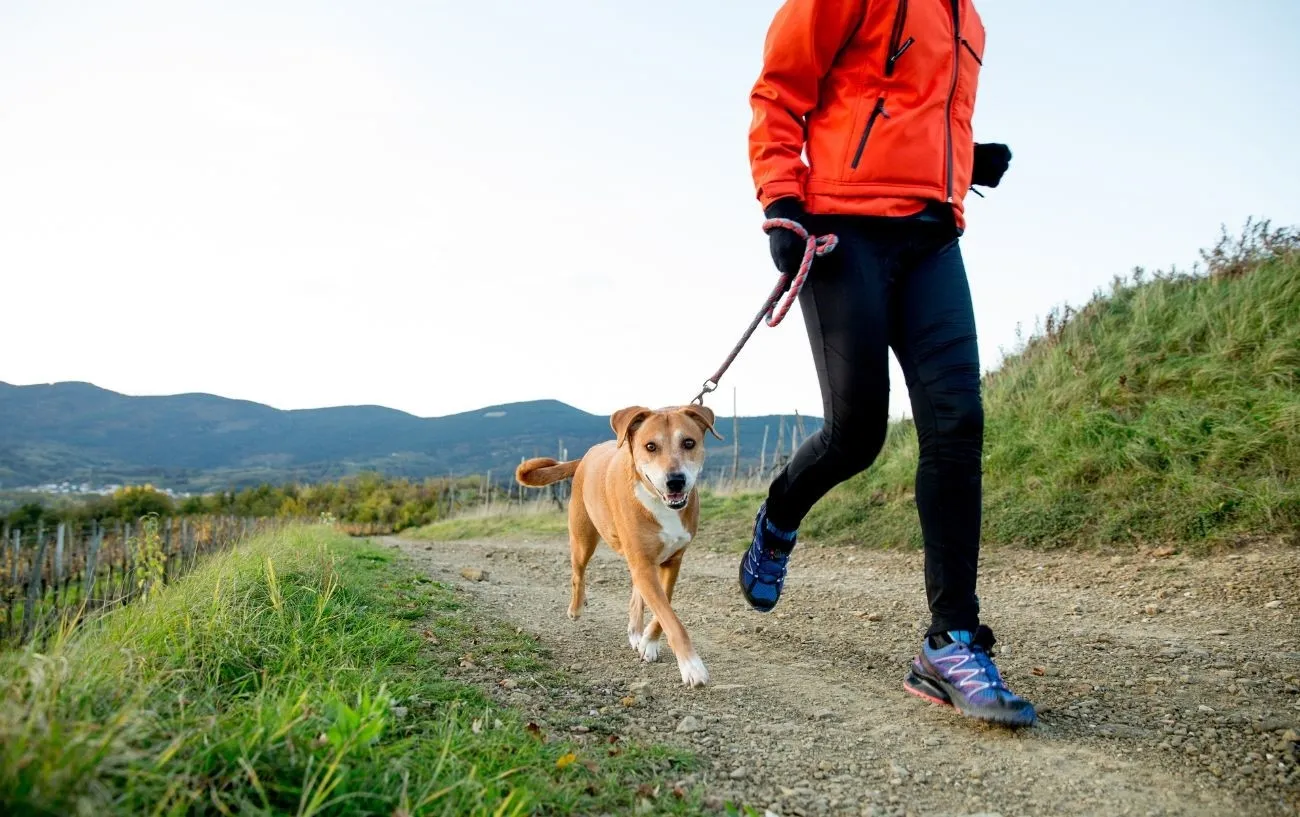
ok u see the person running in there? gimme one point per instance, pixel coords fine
(879, 97)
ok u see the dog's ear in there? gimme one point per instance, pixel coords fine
(702, 415)
(626, 421)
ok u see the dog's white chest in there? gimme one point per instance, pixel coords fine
(672, 533)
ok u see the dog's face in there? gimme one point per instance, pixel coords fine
(667, 447)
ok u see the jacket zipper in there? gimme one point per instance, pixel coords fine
(893, 58)
(971, 49)
(876, 113)
(952, 92)
(896, 46)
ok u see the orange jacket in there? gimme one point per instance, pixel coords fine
(884, 91)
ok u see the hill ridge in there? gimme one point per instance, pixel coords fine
(77, 432)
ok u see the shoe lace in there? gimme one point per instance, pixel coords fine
(769, 565)
(989, 670)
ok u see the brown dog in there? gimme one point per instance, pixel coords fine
(638, 493)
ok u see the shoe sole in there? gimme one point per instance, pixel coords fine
(932, 691)
(922, 688)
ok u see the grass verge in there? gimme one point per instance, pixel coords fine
(498, 522)
(291, 677)
(1165, 410)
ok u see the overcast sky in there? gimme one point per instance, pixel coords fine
(438, 206)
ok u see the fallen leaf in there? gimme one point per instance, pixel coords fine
(565, 761)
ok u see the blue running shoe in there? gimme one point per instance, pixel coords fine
(960, 673)
(762, 571)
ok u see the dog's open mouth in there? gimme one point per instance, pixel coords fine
(676, 501)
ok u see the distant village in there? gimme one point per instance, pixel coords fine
(87, 489)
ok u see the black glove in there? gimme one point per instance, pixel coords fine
(991, 161)
(787, 247)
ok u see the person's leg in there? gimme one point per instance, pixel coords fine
(845, 308)
(933, 335)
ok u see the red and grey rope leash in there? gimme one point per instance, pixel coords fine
(774, 309)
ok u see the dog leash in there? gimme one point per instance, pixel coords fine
(774, 309)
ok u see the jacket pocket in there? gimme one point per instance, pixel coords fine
(897, 45)
(876, 113)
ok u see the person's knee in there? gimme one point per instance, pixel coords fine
(955, 425)
(851, 448)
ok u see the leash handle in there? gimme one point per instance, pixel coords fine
(774, 308)
(814, 246)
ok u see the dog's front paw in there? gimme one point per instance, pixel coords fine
(693, 672)
(648, 649)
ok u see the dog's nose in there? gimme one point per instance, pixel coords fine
(676, 483)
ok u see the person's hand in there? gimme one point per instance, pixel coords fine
(991, 161)
(786, 246)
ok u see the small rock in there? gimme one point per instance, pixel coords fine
(474, 574)
(1039, 671)
(739, 773)
(1164, 552)
(689, 724)
(1218, 632)
(1275, 604)
(1151, 609)
(1291, 736)
(875, 617)
(1208, 710)
(823, 715)
(507, 683)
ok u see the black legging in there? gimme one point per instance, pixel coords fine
(897, 284)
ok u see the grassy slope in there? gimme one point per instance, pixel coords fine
(292, 677)
(1164, 410)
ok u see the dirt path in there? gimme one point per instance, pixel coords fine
(1165, 685)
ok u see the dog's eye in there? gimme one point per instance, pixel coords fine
(651, 447)
(688, 443)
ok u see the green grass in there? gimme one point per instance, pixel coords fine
(488, 525)
(1165, 410)
(304, 673)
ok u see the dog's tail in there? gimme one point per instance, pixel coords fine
(541, 471)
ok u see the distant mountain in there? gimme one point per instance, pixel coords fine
(78, 432)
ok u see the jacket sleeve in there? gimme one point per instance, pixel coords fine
(802, 42)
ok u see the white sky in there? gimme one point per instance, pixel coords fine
(438, 206)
